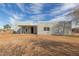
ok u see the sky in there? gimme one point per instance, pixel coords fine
(11, 13)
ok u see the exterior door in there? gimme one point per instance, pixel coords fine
(32, 30)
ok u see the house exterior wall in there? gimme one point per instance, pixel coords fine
(27, 30)
(56, 28)
(24, 30)
(41, 26)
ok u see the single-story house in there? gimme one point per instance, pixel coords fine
(64, 27)
(44, 27)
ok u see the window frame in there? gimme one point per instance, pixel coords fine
(46, 28)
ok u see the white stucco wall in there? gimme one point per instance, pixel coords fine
(57, 28)
(40, 28)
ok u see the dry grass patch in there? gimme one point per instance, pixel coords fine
(38, 45)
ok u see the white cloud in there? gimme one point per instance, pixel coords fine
(36, 8)
(60, 18)
(21, 6)
(69, 6)
(14, 18)
(64, 8)
(39, 17)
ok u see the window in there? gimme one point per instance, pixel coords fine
(46, 29)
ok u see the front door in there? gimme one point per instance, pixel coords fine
(32, 30)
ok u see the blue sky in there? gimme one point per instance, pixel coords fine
(11, 13)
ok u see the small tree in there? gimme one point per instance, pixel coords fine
(7, 26)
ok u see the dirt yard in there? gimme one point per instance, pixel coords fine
(38, 45)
